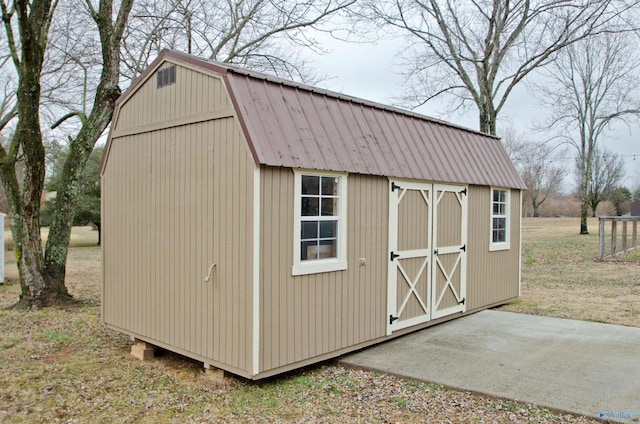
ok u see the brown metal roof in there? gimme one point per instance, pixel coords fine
(288, 124)
(292, 126)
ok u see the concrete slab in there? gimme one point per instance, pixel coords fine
(581, 367)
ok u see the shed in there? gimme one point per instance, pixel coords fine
(259, 225)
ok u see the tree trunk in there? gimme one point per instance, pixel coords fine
(488, 117)
(584, 211)
(42, 276)
(536, 210)
(36, 290)
(25, 230)
(57, 248)
(593, 203)
(93, 126)
(64, 207)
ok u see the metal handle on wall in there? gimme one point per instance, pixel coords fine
(208, 277)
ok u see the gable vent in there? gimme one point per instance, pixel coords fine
(166, 76)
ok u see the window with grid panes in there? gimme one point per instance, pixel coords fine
(499, 219)
(320, 215)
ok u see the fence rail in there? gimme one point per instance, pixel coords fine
(618, 244)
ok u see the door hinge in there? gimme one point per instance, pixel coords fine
(435, 252)
(464, 299)
(463, 248)
(463, 191)
(392, 319)
(394, 186)
(392, 256)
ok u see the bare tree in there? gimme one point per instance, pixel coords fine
(264, 35)
(608, 171)
(538, 166)
(41, 272)
(478, 51)
(26, 25)
(591, 86)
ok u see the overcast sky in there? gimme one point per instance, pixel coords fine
(371, 72)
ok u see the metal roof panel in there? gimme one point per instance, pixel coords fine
(301, 128)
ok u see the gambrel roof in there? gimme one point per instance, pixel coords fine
(288, 124)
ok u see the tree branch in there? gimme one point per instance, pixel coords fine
(6, 19)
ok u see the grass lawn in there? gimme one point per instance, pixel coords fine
(64, 366)
(561, 279)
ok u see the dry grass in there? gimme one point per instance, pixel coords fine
(560, 277)
(64, 366)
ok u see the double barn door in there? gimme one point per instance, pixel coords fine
(427, 252)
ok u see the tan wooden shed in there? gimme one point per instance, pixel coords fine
(259, 225)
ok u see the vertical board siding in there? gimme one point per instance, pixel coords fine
(306, 316)
(493, 276)
(175, 201)
(449, 220)
(413, 222)
(193, 93)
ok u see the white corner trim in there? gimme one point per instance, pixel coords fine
(520, 247)
(256, 270)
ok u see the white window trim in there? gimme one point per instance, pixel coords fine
(504, 245)
(319, 265)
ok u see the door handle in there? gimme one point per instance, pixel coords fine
(208, 277)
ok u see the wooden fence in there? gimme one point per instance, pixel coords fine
(619, 242)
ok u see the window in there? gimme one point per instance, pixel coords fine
(320, 222)
(166, 76)
(499, 219)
